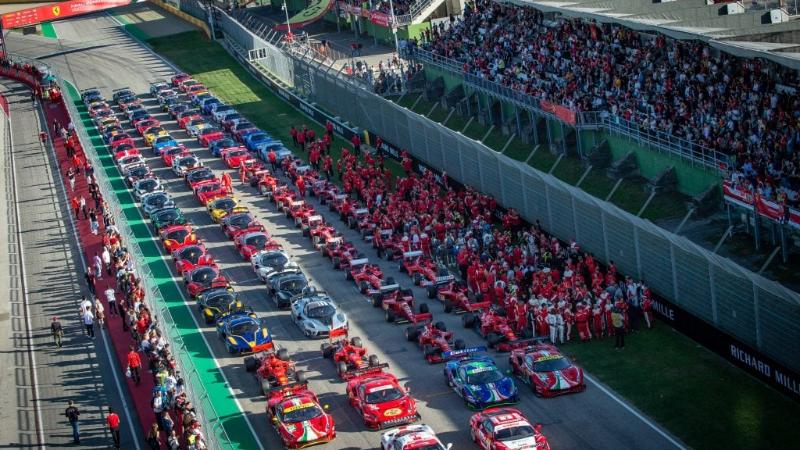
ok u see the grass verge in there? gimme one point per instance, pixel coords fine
(696, 395)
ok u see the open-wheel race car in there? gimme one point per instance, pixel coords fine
(494, 327)
(273, 369)
(398, 305)
(365, 275)
(434, 340)
(456, 298)
(349, 355)
(546, 370)
(295, 413)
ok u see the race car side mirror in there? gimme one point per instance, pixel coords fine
(448, 446)
(274, 419)
(326, 407)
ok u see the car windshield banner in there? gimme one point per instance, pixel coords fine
(316, 10)
(33, 16)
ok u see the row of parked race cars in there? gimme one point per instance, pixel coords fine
(292, 407)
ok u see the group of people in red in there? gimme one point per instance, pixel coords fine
(544, 287)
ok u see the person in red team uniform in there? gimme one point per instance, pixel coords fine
(301, 186)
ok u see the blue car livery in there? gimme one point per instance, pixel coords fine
(480, 382)
(253, 140)
(243, 333)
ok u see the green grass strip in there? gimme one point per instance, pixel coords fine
(48, 30)
(196, 354)
(131, 28)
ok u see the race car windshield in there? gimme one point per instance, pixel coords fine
(234, 153)
(551, 365)
(383, 395)
(167, 215)
(204, 275)
(244, 328)
(225, 204)
(178, 235)
(187, 162)
(226, 142)
(240, 220)
(484, 376)
(514, 433)
(301, 414)
(156, 200)
(294, 286)
(209, 187)
(191, 254)
(257, 241)
(148, 185)
(220, 300)
(274, 260)
(321, 311)
(161, 139)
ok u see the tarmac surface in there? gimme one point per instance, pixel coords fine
(99, 54)
(41, 269)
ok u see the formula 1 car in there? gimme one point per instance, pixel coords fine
(349, 355)
(243, 333)
(478, 380)
(284, 285)
(191, 257)
(494, 327)
(398, 305)
(316, 314)
(412, 437)
(176, 237)
(252, 240)
(434, 340)
(268, 262)
(506, 428)
(297, 417)
(456, 298)
(366, 276)
(273, 369)
(214, 303)
(166, 217)
(546, 370)
(204, 278)
(381, 401)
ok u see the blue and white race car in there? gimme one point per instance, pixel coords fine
(244, 333)
(478, 380)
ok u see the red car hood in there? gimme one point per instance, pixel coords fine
(393, 409)
(308, 431)
(560, 379)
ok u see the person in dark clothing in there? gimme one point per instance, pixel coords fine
(72, 413)
(57, 330)
(90, 280)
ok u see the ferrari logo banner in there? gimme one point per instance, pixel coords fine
(315, 11)
(33, 16)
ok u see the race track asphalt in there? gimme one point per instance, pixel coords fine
(101, 55)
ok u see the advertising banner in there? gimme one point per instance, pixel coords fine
(379, 18)
(315, 11)
(32, 16)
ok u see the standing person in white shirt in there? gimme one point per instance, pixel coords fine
(111, 297)
(98, 266)
(86, 305)
(88, 321)
(106, 256)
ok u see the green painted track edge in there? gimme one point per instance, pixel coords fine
(197, 352)
(49, 31)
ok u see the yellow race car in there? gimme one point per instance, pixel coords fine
(217, 302)
(221, 207)
(153, 133)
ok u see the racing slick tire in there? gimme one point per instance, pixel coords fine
(417, 279)
(306, 232)
(327, 350)
(493, 339)
(283, 354)
(356, 342)
(337, 264)
(459, 344)
(468, 320)
(423, 308)
(342, 367)
(407, 292)
(402, 268)
(390, 316)
(373, 360)
(377, 300)
(428, 349)
(348, 275)
(412, 334)
(440, 326)
(432, 291)
(363, 287)
(300, 376)
(390, 281)
(250, 364)
(265, 386)
(448, 306)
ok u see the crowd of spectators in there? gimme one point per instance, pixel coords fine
(386, 77)
(746, 108)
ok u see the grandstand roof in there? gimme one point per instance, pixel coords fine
(747, 34)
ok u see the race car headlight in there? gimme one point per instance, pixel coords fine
(264, 332)
(231, 340)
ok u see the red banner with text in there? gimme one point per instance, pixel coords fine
(33, 16)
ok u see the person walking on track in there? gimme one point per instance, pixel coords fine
(112, 420)
(72, 413)
(57, 330)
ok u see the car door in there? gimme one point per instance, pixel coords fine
(485, 434)
(458, 380)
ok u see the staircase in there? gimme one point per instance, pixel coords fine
(422, 9)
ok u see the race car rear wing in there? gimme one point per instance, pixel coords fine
(389, 288)
(288, 389)
(359, 262)
(352, 373)
(463, 353)
(336, 333)
(438, 281)
(361, 211)
(413, 254)
(126, 88)
(529, 343)
(422, 318)
(302, 169)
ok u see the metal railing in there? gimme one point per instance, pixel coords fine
(216, 437)
(693, 152)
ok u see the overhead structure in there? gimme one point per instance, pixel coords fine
(33, 16)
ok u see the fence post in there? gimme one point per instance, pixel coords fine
(756, 318)
(674, 273)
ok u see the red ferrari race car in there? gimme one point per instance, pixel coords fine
(456, 298)
(297, 417)
(179, 78)
(273, 369)
(184, 119)
(267, 184)
(173, 152)
(398, 305)
(283, 196)
(349, 355)
(208, 190)
(425, 271)
(366, 276)
(253, 240)
(311, 222)
(239, 219)
(146, 124)
(298, 211)
(233, 157)
(356, 216)
(120, 152)
(434, 340)
(120, 139)
(546, 370)
(381, 401)
(203, 278)
(343, 254)
(208, 135)
(323, 236)
(192, 256)
(505, 428)
(176, 237)
(494, 327)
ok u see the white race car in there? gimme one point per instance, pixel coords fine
(316, 314)
(268, 262)
(412, 437)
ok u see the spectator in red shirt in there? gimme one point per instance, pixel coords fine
(112, 420)
(134, 364)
